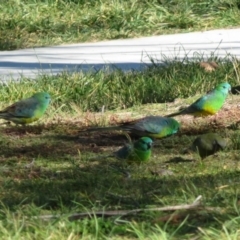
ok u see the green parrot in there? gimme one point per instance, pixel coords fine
(27, 110)
(208, 104)
(150, 126)
(208, 144)
(135, 152)
(139, 151)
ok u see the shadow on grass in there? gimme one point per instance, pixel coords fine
(64, 172)
(179, 160)
(65, 178)
(96, 182)
(56, 142)
(97, 187)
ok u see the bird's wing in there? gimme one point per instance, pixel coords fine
(24, 108)
(123, 152)
(221, 143)
(151, 124)
(197, 106)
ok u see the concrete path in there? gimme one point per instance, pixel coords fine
(124, 54)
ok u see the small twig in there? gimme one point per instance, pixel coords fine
(227, 185)
(76, 216)
(119, 196)
(197, 200)
(31, 164)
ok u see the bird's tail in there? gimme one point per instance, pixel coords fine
(174, 114)
(4, 115)
(182, 110)
(94, 129)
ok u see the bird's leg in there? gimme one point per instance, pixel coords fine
(194, 120)
(21, 128)
(215, 118)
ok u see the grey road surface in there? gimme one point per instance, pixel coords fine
(124, 54)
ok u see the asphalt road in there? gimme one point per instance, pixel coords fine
(124, 54)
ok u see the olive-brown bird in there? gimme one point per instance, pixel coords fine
(208, 144)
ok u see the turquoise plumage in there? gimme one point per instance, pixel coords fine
(150, 126)
(139, 151)
(27, 110)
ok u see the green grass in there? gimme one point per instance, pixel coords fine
(120, 90)
(31, 23)
(65, 179)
